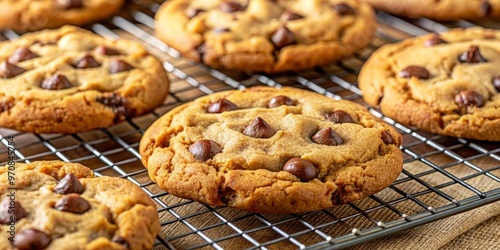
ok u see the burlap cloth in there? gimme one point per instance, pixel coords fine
(474, 229)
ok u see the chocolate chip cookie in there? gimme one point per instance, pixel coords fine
(447, 84)
(271, 150)
(28, 15)
(264, 35)
(60, 205)
(440, 10)
(70, 80)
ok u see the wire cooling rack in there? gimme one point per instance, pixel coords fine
(442, 176)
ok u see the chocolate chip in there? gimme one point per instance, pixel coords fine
(11, 209)
(72, 203)
(472, 55)
(485, 8)
(289, 16)
(259, 129)
(103, 50)
(203, 150)
(69, 184)
(117, 66)
(344, 9)
(201, 50)
(70, 4)
(496, 83)
(22, 54)
(387, 137)
(117, 103)
(56, 82)
(282, 37)
(192, 12)
(31, 239)
(339, 116)
(119, 240)
(468, 98)
(228, 6)
(221, 30)
(86, 62)
(327, 137)
(220, 106)
(5, 105)
(434, 40)
(301, 168)
(280, 100)
(9, 70)
(414, 71)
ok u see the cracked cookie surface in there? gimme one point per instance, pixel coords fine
(447, 84)
(440, 10)
(271, 150)
(264, 35)
(28, 15)
(70, 80)
(60, 205)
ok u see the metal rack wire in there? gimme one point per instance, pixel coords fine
(442, 176)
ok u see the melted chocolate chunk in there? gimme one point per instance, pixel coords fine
(221, 30)
(228, 6)
(8, 70)
(259, 129)
(289, 16)
(327, 137)
(103, 50)
(279, 101)
(70, 4)
(22, 54)
(496, 83)
(119, 240)
(472, 55)
(485, 9)
(56, 82)
(201, 50)
(344, 9)
(192, 12)
(69, 184)
(31, 239)
(282, 37)
(414, 71)
(117, 103)
(434, 40)
(5, 105)
(72, 203)
(301, 168)
(220, 106)
(339, 116)
(387, 137)
(203, 150)
(469, 98)
(86, 62)
(11, 209)
(117, 66)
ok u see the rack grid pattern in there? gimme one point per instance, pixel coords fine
(442, 176)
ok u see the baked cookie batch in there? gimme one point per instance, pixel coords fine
(261, 149)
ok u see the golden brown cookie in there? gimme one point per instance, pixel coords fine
(29, 15)
(60, 205)
(263, 35)
(440, 10)
(271, 150)
(447, 84)
(70, 80)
